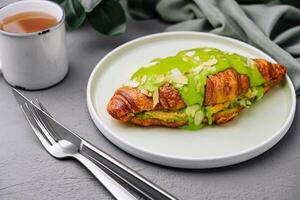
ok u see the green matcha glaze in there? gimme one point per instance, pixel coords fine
(188, 70)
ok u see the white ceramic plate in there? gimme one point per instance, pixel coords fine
(253, 132)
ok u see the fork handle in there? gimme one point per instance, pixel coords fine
(137, 181)
(115, 188)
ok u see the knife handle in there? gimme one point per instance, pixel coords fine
(131, 177)
(117, 190)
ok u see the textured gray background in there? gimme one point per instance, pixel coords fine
(28, 172)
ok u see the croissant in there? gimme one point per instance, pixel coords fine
(207, 86)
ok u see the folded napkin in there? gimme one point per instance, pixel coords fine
(273, 28)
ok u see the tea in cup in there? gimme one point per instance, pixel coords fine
(33, 44)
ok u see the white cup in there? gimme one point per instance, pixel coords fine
(34, 60)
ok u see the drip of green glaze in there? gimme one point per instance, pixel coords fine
(193, 64)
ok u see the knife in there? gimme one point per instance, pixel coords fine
(99, 157)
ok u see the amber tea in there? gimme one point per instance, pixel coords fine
(27, 22)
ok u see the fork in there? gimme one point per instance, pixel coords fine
(47, 128)
(63, 149)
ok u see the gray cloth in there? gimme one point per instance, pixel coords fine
(273, 28)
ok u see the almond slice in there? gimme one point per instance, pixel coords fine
(155, 97)
(179, 79)
(132, 83)
(150, 64)
(207, 49)
(176, 72)
(190, 53)
(212, 69)
(144, 79)
(191, 110)
(250, 63)
(146, 92)
(159, 78)
(211, 61)
(198, 117)
(197, 58)
(198, 69)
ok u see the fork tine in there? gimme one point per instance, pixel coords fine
(58, 130)
(44, 120)
(42, 107)
(46, 143)
(40, 124)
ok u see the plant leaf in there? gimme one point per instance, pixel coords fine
(257, 1)
(108, 17)
(75, 14)
(89, 5)
(142, 9)
(295, 3)
(58, 1)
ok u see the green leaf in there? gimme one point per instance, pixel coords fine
(142, 9)
(295, 3)
(89, 5)
(108, 17)
(58, 1)
(75, 14)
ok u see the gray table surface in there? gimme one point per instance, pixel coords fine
(28, 172)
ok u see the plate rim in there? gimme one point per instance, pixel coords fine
(213, 161)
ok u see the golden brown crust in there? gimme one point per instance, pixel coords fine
(117, 107)
(218, 118)
(220, 89)
(225, 86)
(157, 122)
(272, 73)
(127, 100)
(170, 98)
(227, 115)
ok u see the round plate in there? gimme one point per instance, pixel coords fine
(253, 132)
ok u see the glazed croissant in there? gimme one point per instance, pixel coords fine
(226, 93)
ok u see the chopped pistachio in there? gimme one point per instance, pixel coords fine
(198, 87)
(248, 103)
(185, 89)
(243, 102)
(254, 92)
